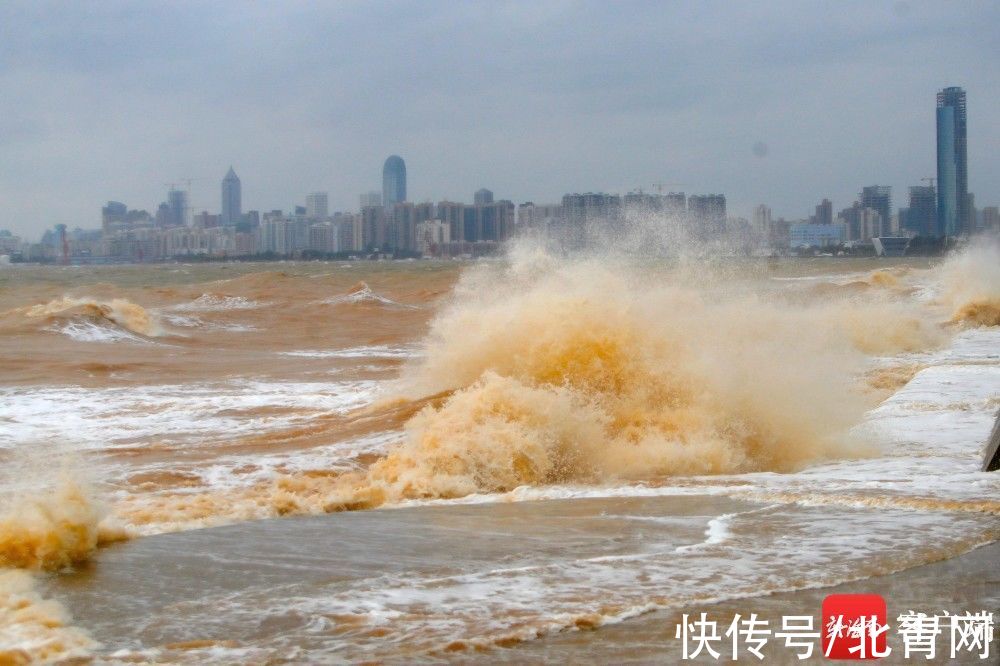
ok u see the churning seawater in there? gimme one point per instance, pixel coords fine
(552, 445)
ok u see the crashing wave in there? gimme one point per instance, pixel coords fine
(582, 372)
(971, 286)
(54, 529)
(91, 320)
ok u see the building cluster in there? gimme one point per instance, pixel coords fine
(945, 211)
(594, 219)
(387, 223)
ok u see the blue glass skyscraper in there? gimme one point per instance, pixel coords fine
(393, 181)
(232, 199)
(953, 209)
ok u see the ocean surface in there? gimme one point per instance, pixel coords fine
(435, 461)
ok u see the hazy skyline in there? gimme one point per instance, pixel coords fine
(784, 104)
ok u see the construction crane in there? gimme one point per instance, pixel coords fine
(187, 211)
(188, 181)
(191, 180)
(659, 186)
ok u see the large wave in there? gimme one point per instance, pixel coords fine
(549, 370)
(971, 286)
(119, 314)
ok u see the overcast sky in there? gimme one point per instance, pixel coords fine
(107, 100)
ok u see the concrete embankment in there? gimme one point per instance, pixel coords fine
(991, 461)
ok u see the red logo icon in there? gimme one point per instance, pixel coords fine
(854, 626)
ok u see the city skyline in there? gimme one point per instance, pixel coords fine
(927, 213)
(580, 98)
(389, 222)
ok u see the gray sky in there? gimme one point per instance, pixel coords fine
(108, 100)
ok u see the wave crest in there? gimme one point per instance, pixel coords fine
(361, 294)
(211, 302)
(120, 312)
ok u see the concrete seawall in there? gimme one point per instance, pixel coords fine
(991, 461)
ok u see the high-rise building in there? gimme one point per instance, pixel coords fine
(471, 224)
(824, 213)
(495, 221)
(232, 199)
(583, 208)
(113, 216)
(349, 232)
(252, 219)
(369, 199)
(991, 219)
(762, 220)
(921, 217)
(492, 222)
(177, 203)
(849, 217)
(163, 216)
(588, 217)
(862, 223)
(393, 181)
(953, 209)
(402, 222)
(709, 211)
(373, 228)
(277, 235)
(452, 214)
(324, 237)
(204, 220)
(317, 206)
(675, 204)
(483, 197)
(530, 214)
(642, 203)
(873, 224)
(432, 236)
(879, 199)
